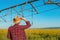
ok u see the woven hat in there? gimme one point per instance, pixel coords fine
(17, 19)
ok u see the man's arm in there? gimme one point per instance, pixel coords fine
(27, 24)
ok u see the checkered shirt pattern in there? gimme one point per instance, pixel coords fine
(17, 32)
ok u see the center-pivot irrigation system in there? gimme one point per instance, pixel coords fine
(31, 4)
(12, 7)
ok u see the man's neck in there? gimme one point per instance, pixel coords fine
(17, 24)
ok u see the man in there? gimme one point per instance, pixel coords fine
(16, 32)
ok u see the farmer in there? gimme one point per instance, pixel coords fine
(16, 32)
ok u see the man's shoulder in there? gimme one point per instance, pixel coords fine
(10, 27)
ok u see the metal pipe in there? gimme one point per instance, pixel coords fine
(18, 5)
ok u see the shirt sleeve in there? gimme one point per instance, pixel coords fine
(9, 34)
(26, 26)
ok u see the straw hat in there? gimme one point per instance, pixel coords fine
(17, 20)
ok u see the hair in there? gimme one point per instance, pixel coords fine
(14, 19)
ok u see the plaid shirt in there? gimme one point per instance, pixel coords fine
(17, 32)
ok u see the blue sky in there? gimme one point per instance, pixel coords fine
(47, 17)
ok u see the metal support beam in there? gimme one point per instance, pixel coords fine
(34, 8)
(50, 2)
(18, 5)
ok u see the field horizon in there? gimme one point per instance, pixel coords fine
(36, 34)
